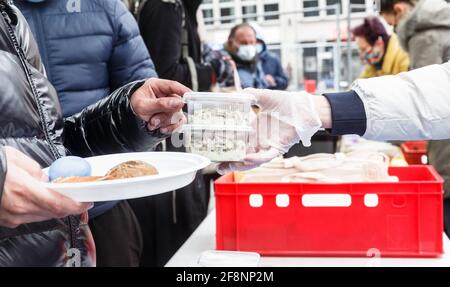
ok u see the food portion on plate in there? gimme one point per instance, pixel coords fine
(132, 169)
(69, 166)
(123, 176)
(78, 179)
(73, 169)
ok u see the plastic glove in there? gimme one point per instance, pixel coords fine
(285, 119)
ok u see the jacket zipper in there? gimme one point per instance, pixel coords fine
(23, 61)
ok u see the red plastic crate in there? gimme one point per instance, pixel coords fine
(414, 151)
(407, 222)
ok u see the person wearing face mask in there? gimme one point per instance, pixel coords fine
(423, 28)
(170, 31)
(381, 53)
(242, 48)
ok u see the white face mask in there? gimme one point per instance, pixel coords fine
(247, 52)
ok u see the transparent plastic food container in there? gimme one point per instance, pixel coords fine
(218, 143)
(219, 109)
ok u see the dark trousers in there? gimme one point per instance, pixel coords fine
(167, 220)
(118, 237)
(447, 216)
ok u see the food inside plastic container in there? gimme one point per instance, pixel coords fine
(217, 143)
(219, 116)
(219, 109)
(219, 125)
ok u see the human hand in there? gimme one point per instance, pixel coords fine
(159, 103)
(25, 199)
(285, 119)
(270, 80)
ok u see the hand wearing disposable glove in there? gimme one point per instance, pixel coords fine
(24, 198)
(285, 119)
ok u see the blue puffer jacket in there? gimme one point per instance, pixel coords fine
(271, 65)
(89, 48)
(251, 78)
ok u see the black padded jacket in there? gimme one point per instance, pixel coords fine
(31, 121)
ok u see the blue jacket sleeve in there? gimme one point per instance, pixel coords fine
(130, 60)
(280, 77)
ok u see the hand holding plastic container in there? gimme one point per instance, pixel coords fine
(219, 125)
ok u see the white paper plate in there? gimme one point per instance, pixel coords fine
(176, 170)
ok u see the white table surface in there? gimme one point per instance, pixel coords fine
(203, 239)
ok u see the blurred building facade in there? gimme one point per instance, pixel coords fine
(304, 33)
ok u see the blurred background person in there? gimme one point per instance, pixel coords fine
(380, 52)
(241, 47)
(275, 75)
(89, 52)
(170, 31)
(423, 28)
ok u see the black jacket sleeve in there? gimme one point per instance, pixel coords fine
(3, 171)
(161, 28)
(109, 126)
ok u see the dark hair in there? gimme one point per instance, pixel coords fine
(237, 27)
(371, 30)
(387, 6)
